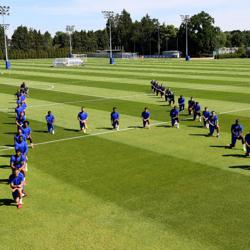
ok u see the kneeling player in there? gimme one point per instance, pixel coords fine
(247, 140)
(181, 102)
(197, 111)
(174, 114)
(26, 130)
(214, 124)
(145, 118)
(191, 104)
(205, 115)
(237, 134)
(18, 161)
(16, 181)
(114, 116)
(82, 118)
(50, 119)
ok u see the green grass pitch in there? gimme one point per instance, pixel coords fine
(161, 188)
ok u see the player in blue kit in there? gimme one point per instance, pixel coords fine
(20, 120)
(145, 118)
(16, 181)
(213, 124)
(115, 116)
(17, 161)
(247, 141)
(26, 130)
(197, 111)
(237, 134)
(21, 146)
(174, 114)
(205, 115)
(24, 106)
(191, 104)
(18, 135)
(82, 118)
(50, 119)
(181, 102)
(18, 110)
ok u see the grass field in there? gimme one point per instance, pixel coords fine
(161, 188)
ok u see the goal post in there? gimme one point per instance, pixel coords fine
(84, 57)
(67, 62)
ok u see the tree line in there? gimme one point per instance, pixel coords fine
(146, 37)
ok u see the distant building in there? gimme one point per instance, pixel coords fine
(225, 50)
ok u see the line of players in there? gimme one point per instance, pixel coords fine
(210, 119)
(18, 161)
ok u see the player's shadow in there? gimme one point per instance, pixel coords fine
(7, 202)
(105, 128)
(4, 166)
(40, 131)
(195, 126)
(164, 126)
(135, 126)
(9, 123)
(71, 130)
(6, 156)
(201, 135)
(244, 167)
(10, 133)
(217, 146)
(4, 181)
(234, 155)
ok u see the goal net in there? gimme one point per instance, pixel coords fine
(81, 56)
(67, 62)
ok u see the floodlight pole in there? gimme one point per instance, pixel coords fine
(4, 10)
(108, 15)
(159, 43)
(70, 30)
(185, 19)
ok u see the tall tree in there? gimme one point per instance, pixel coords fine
(124, 29)
(202, 34)
(20, 38)
(61, 40)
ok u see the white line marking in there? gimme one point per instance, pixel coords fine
(105, 132)
(233, 111)
(86, 135)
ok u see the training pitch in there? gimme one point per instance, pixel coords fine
(158, 188)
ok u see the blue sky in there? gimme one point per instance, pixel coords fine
(54, 15)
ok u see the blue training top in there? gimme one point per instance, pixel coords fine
(174, 113)
(82, 115)
(17, 160)
(181, 100)
(145, 114)
(50, 118)
(114, 115)
(236, 129)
